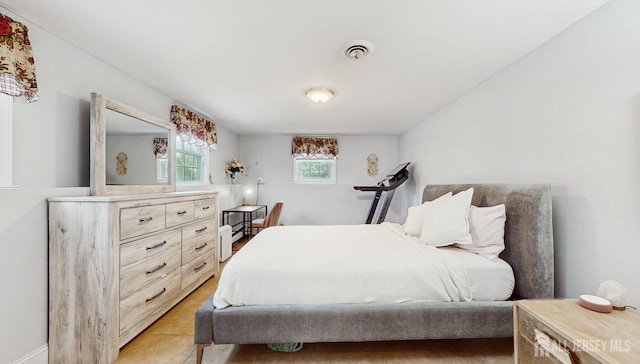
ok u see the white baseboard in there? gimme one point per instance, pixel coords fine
(38, 356)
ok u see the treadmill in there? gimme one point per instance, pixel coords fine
(392, 181)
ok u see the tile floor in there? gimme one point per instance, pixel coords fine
(170, 340)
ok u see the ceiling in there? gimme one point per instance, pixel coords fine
(246, 63)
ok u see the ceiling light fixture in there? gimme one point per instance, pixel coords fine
(319, 95)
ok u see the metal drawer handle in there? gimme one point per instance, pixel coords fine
(144, 221)
(157, 268)
(198, 231)
(180, 213)
(206, 208)
(156, 296)
(200, 267)
(201, 247)
(156, 246)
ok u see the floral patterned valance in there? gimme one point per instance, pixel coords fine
(160, 147)
(17, 69)
(194, 128)
(315, 148)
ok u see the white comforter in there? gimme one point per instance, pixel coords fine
(339, 264)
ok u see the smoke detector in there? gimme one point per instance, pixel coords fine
(357, 49)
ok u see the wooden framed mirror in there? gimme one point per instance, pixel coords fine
(131, 152)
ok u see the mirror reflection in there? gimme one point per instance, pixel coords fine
(136, 151)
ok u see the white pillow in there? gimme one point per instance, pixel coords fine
(486, 225)
(415, 214)
(447, 222)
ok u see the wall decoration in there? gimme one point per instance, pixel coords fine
(121, 166)
(372, 165)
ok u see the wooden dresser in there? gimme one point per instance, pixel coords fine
(561, 331)
(118, 263)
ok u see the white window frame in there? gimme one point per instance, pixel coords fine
(160, 178)
(299, 179)
(204, 168)
(6, 140)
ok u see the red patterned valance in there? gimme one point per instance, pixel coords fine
(314, 148)
(17, 69)
(160, 147)
(193, 128)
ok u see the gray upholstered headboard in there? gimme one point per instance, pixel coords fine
(528, 231)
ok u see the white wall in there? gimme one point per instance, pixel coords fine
(51, 152)
(23, 268)
(269, 157)
(228, 146)
(567, 114)
(53, 133)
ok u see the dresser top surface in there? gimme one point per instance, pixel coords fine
(120, 198)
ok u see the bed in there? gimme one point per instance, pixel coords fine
(528, 251)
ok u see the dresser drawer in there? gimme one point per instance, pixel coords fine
(180, 213)
(148, 299)
(199, 270)
(205, 208)
(528, 324)
(151, 247)
(198, 238)
(136, 221)
(152, 270)
(531, 353)
(147, 260)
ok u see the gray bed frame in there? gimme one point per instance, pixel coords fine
(529, 251)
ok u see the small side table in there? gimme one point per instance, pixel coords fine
(249, 213)
(561, 331)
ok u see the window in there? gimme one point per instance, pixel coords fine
(162, 170)
(314, 159)
(191, 163)
(314, 171)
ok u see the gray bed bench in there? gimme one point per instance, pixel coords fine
(528, 249)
